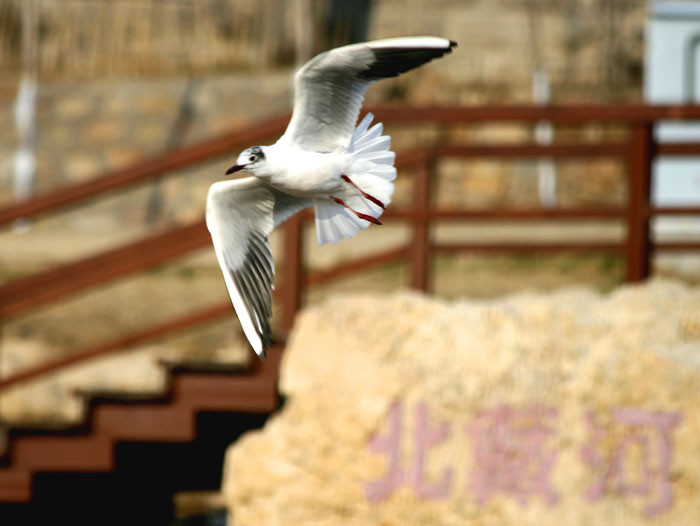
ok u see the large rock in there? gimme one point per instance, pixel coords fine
(568, 408)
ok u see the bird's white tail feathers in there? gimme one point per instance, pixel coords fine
(372, 171)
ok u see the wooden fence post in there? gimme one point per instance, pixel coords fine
(420, 242)
(292, 272)
(639, 159)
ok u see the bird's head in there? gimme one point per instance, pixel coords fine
(251, 160)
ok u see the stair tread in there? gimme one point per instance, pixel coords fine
(165, 422)
(15, 485)
(57, 453)
(162, 416)
(179, 366)
(115, 396)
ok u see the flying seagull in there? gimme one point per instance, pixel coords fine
(345, 172)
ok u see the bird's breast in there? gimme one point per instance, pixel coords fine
(310, 175)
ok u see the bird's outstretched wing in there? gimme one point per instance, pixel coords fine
(240, 216)
(330, 87)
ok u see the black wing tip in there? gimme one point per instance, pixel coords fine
(396, 60)
(266, 339)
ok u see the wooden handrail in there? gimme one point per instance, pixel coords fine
(506, 214)
(624, 113)
(528, 150)
(180, 323)
(226, 143)
(39, 289)
(638, 151)
(122, 342)
(23, 294)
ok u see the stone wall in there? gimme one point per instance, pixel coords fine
(533, 409)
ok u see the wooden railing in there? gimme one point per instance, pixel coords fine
(637, 150)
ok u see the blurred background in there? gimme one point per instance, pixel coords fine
(117, 82)
(95, 90)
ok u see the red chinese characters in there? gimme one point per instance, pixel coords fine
(514, 454)
(425, 437)
(650, 433)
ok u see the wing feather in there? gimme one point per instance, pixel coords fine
(241, 214)
(329, 89)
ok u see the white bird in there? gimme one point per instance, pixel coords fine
(346, 173)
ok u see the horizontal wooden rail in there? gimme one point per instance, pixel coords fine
(508, 214)
(675, 210)
(677, 148)
(531, 246)
(21, 295)
(187, 321)
(151, 333)
(629, 113)
(676, 246)
(546, 246)
(598, 149)
(24, 294)
(227, 143)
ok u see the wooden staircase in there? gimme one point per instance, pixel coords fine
(113, 419)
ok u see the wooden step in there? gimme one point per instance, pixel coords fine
(15, 485)
(168, 417)
(63, 453)
(207, 392)
(255, 391)
(149, 422)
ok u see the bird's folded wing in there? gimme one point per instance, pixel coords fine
(330, 87)
(240, 216)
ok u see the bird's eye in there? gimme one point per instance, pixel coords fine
(251, 158)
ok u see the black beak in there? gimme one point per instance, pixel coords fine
(235, 168)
